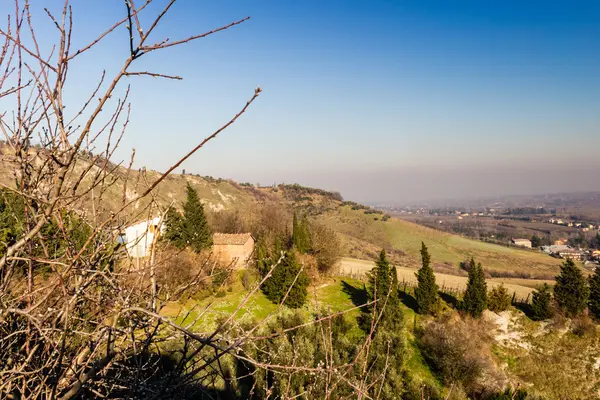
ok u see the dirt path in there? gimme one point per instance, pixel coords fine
(355, 267)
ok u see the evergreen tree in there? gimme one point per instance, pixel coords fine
(306, 237)
(296, 239)
(594, 301)
(536, 241)
(426, 292)
(282, 278)
(475, 298)
(541, 304)
(196, 231)
(498, 299)
(300, 234)
(383, 288)
(174, 228)
(571, 290)
(595, 242)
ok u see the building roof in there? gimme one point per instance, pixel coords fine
(522, 240)
(231, 238)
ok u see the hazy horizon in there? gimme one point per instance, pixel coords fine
(382, 101)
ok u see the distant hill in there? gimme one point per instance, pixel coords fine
(364, 231)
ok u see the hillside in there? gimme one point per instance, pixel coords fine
(363, 231)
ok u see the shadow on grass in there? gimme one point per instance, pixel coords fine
(449, 299)
(358, 295)
(525, 308)
(408, 300)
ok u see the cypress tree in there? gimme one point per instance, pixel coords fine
(594, 302)
(541, 304)
(296, 240)
(174, 228)
(475, 298)
(196, 231)
(282, 278)
(383, 280)
(426, 292)
(380, 279)
(301, 234)
(306, 239)
(571, 291)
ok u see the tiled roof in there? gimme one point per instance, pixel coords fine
(231, 238)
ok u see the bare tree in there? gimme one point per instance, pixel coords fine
(78, 316)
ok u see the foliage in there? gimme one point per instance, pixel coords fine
(296, 191)
(426, 292)
(541, 304)
(382, 285)
(498, 299)
(174, 228)
(583, 326)
(594, 300)
(228, 221)
(249, 279)
(286, 277)
(195, 229)
(510, 394)
(475, 297)
(12, 218)
(571, 291)
(325, 246)
(301, 234)
(459, 352)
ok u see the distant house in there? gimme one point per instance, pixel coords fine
(571, 253)
(140, 237)
(522, 243)
(555, 249)
(234, 248)
(560, 242)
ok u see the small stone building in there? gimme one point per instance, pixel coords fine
(236, 247)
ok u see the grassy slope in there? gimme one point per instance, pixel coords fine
(331, 296)
(446, 249)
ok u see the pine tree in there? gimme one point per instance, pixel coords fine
(475, 298)
(571, 290)
(196, 231)
(594, 301)
(426, 292)
(174, 228)
(541, 304)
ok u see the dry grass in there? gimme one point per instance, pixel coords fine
(354, 267)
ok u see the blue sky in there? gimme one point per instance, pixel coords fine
(382, 100)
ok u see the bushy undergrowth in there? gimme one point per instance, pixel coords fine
(458, 351)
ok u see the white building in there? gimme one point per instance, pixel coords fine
(139, 237)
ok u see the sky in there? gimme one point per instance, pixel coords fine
(384, 101)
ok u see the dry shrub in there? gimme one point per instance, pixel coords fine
(459, 351)
(179, 269)
(310, 265)
(228, 221)
(583, 326)
(250, 278)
